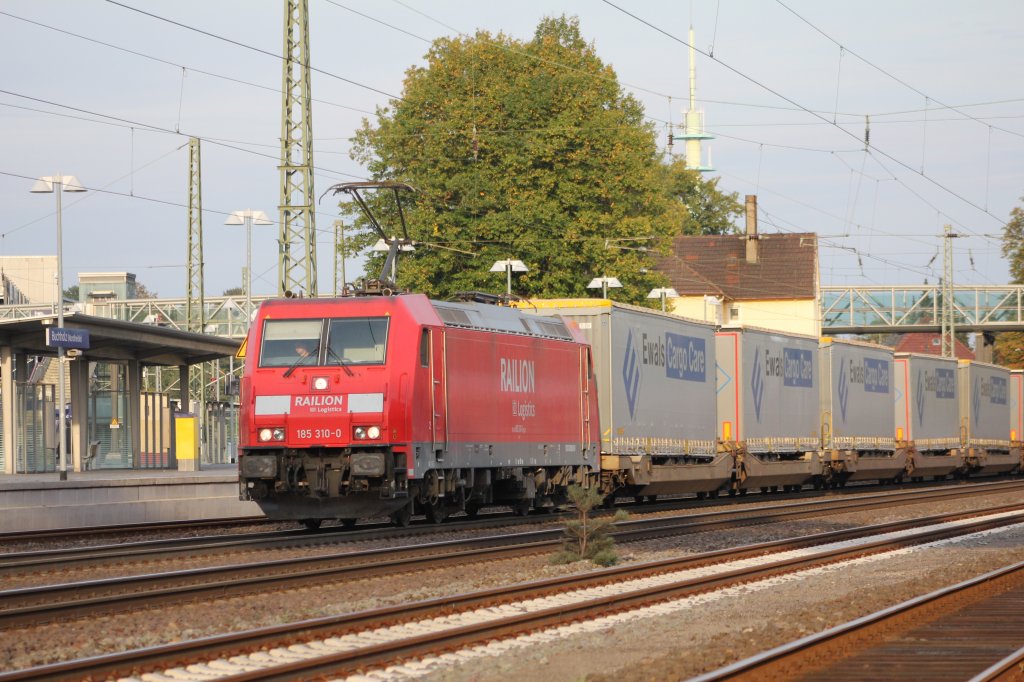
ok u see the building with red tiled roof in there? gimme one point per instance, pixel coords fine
(761, 280)
(931, 344)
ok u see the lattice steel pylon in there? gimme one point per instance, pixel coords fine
(339, 257)
(296, 265)
(948, 325)
(195, 312)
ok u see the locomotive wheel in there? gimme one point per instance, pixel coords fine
(312, 524)
(522, 507)
(348, 524)
(436, 511)
(402, 517)
(472, 509)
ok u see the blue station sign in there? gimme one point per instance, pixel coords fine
(66, 337)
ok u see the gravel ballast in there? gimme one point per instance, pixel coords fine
(671, 646)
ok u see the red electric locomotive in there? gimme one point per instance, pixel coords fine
(363, 406)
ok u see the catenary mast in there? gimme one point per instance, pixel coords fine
(296, 265)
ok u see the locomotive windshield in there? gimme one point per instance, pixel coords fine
(357, 341)
(285, 342)
(350, 341)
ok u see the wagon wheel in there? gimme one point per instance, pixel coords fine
(348, 524)
(402, 517)
(522, 507)
(472, 509)
(436, 510)
(312, 524)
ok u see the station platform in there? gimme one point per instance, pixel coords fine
(114, 497)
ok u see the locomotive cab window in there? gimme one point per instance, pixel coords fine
(357, 341)
(286, 342)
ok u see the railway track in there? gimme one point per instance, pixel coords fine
(353, 642)
(68, 558)
(968, 631)
(115, 534)
(35, 605)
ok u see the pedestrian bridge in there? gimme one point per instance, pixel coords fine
(844, 310)
(918, 308)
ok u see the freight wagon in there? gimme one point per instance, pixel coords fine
(985, 418)
(857, 417)
(767, 406)
(928, 413)
(656, 378)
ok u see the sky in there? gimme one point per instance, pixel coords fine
(100, 90)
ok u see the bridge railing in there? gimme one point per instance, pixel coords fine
(919, 308)
(844, 310)
(225, 315)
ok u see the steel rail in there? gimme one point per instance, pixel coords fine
(219, 647)
(36, 605)
(868, 637)
(29, 535)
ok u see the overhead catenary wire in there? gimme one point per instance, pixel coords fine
(252, 48)
(778, 94)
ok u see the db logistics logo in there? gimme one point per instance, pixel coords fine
(757, 383)
(919, 398)
(844, 389)
(631, 374)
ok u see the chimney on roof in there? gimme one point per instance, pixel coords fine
(752, 236)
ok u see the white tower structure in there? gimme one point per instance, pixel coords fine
(693, 121)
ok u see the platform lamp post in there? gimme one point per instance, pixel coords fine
(248, 217)
(664, 293)
(58, 184)
(604, 284)
(508, 266)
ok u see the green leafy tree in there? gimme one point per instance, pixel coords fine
(234, 291)
(586, 538)
(529, 150)
(142, 292)
(1009, 347)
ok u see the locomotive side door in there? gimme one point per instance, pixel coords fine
(438, 394)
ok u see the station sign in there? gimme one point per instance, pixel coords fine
(66, 337)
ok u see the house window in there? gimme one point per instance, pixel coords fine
(734, 313)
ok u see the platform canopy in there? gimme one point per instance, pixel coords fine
(114, 340)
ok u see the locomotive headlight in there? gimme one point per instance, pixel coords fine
(279, 434)
(321, 383)
(373, 432)
(359, 433)
(266, 435)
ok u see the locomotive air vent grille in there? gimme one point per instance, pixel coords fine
(455, 317)
(556, 329)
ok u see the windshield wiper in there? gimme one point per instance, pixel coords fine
(341, 361)
(315, 353)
